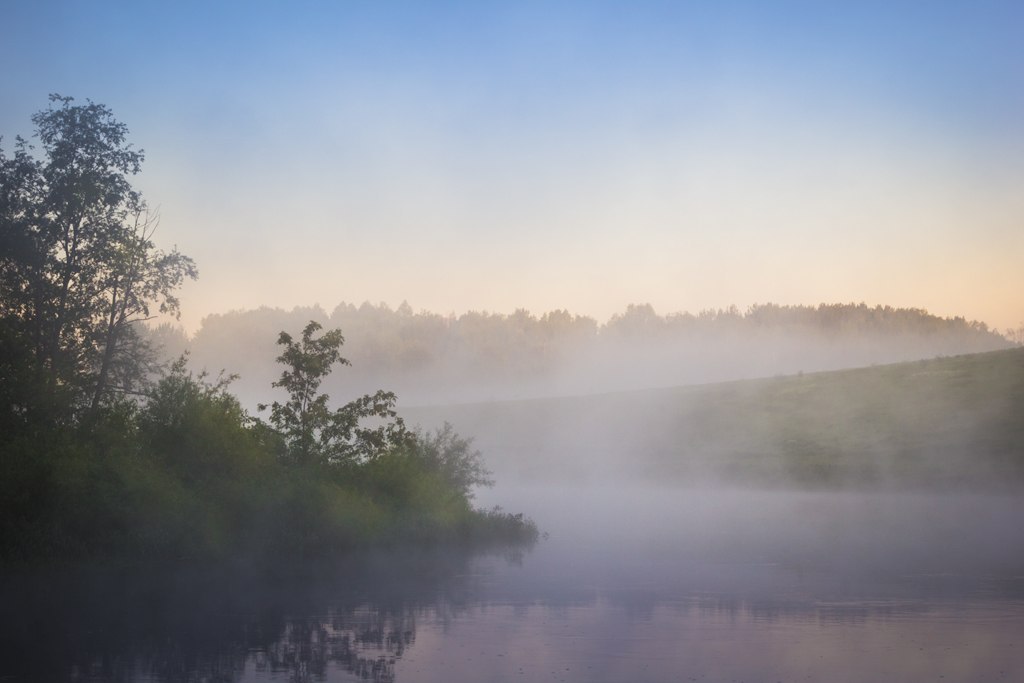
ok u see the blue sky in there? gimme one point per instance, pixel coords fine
(560, 155)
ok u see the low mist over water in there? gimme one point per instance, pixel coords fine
(633, 583)
(854, 525)
(690, 344)
(859, 525)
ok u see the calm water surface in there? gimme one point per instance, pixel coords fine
(631, 585)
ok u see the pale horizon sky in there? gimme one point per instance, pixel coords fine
(575, 155)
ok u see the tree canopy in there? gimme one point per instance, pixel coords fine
(78, 265)
(102, 459)
(311, 430)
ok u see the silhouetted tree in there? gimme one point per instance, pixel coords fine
(312, 431)
(79, 267)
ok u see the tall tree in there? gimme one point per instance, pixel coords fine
(79, 267)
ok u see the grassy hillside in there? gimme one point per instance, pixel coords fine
(944, 423)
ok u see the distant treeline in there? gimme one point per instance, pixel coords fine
(428, 357)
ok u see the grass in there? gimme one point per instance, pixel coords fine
(955, 422)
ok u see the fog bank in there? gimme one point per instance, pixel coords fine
(428, 358)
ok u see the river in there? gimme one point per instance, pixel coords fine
(631, 584)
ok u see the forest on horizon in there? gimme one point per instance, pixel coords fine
(428, 357)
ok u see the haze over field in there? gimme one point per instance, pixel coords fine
(427, 358)
(589, 155)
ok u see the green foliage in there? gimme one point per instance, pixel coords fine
(199, 430)
(179, 470)
(496, 525)
(452, 458)
(312, 432)
(188, 474)
(303, 418)
(944, 423)
(78, 265)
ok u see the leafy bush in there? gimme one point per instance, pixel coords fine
(451, 457)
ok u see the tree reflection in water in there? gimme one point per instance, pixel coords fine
(575, 611)
(363, 642)
(296, 623)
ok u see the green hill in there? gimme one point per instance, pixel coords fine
(954, 422)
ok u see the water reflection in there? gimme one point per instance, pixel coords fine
(225, 624)
(672, 602)
(364, 643)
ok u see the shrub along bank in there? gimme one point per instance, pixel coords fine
(187, 473)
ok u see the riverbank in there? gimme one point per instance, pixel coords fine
(190, 476)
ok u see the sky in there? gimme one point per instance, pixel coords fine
(559, 155)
